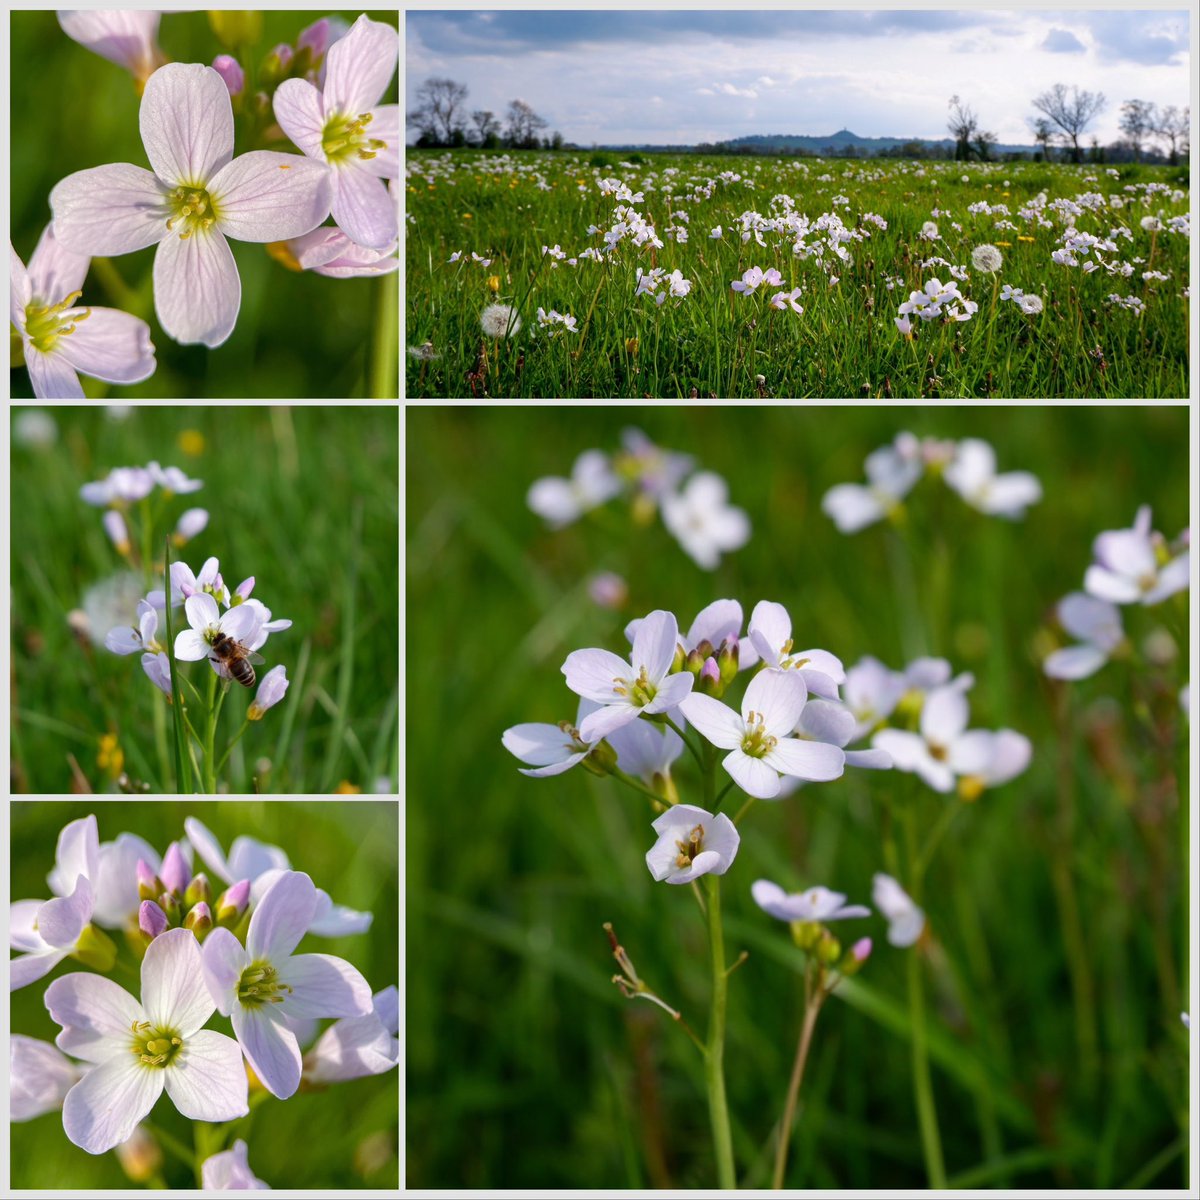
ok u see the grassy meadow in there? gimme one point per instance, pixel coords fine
(846, 233)
(349, 849)
(1057, 903)
(303, 499)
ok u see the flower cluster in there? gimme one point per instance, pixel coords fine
(118, 1052)
(1132, 566)
(935, 301)
(198, 195)
(697, 513)
(967, 466)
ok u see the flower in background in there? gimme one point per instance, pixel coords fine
(816, 904)
(230, 70)
(1097, 625)
(905, 920)
(345, 127)
(548, 320)
(691, 842)
(59, 340)
(608, 589)
(653, 470)
(127, 37)
(39, 1077)
(755, 278)
(891, 473)
(200, 1069)
(783, 300)
(972, 474)
(191, 524)
(834, 724)
(561, 501)
(230, 1171)
(137, 639)
(355, 1047)
(703, 521)
(35, 428)
(1127, 567)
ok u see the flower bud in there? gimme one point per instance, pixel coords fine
(234, 27)
(140, 1156)
(152, 920)
(118, 532)
(727, 659)
(275, 65)
(190, 523)
(855, 957)
(197, 891)
(231, 71)
(320, 35)
(149, 885)
(199, 919)
(175, 874)
(805, 934)
(693, 662)
(270, 691)
(608, 590)
(232, 902)
(829, 949)
(95, 949)
(709, 683)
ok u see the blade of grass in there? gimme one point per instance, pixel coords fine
(346, 666)
(183, 765)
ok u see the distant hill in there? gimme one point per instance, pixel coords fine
(833, 143)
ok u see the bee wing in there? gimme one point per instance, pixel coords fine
(254, 657)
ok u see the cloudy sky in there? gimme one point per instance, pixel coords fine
(690, 76)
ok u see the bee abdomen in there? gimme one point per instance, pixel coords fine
(242, 671)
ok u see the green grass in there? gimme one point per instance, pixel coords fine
(343, 1137)
(304, 500)
(297, 334)
(714, 342)
(526, 1067)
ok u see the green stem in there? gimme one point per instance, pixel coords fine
(686, 741)
(722, 794)
(210, 736)
(237, 738)
(812, 1008)
(636, 784)
(714, 1063)
(383, 359)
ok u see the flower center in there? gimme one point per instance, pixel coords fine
(193, 208)
(757, 742)
(46, 323)
(639, 691)
(689, 849)
(260, 984)
(938, 752)
(345, 137)
(574, 742)
(154, 1047)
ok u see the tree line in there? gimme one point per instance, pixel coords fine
(442, 119)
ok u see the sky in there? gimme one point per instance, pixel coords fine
(681, 77)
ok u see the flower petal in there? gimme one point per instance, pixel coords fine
(223, 960)
(752, 775)
(95, 1014)
(190, 645)
(53, 378)
(205, 843)
(324, 986)
(300, 111)
(598, 725)
(20, 289)
(1108, 585)
(249, 858)
(174, 994)
(114, 209)
(54, 271)
(29, 968)
(103, 1109)
(207, 1079)
(594, 673)
(385, 127)
(60, 922)
(76, 853)
(654, 644)
(1074, 662)
(337, 920)
(281, 918)
(362, 207)
(717, 722)
(266, 196)
(671, 692)
(22, 926)
(360, 66)
(201, 611)
(816, 761)
(110, 345)
(271, 1049)
(778, 697)
(770, 628)
(197, 289)
(186, 121)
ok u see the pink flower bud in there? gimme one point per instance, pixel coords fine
(283, 52)
(608, 589)
(152, 920)
(175, 873)
(270, 691)
(232, 902)
(861, 949)
(710, 671)
(244, 588)
(199, 918)
(190, 523)
(231, 71)
(118, 532)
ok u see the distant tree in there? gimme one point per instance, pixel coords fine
(1171, 128)
(1043, 134)
(1096, 152)
(964, 124)
(438, 114)
(523, 126)
(556, 140)
(1070, 114)
(487, 128)
(1138, 119)
(982, 144)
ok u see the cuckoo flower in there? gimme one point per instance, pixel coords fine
(197, 196)
(229, 1171)
(703, 521)
(905, 920)
(770, 634)
(691, 842)
(358, 1046)
(243, 624)
(972, 474)
(560, 501)
(140, 1048)
(760, 749)
(345, 126)
(39, 1077)
(891, 473)
(1127, 569)
(817, 904)
(627, 689)
(263, 986)
(1097, 624)
(328, 251)
(60, 340)
(126, 37)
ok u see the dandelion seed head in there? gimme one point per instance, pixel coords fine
(986, 258)
(500, 320)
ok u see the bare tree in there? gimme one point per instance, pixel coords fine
(487, 128)
(1172, 128)
(1071, 114)
(1043, 134)
(523, 126)
(1138, 119)
(964, 124)
(438, 114)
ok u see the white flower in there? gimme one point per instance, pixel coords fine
(871, 692)
(263, 986)
(627, 689)
(39, 1077)
(271, 689)
(905, 920)
(141, 1048)
(644, 750)
(230, 1171)
(816, 904)
(500, 320)
(1097, 624)
(703, 521)
(972, 474)
(891, 473)
(561, 501)
(770, 635)
(548, 749)
(242, 624)
(987, 258)
(691, 842)
(34, 427)
(1127, 569)
(834, 724)
(930, 753)
(143, 637)
(355, 1047)
(783, 300)
(758, 741)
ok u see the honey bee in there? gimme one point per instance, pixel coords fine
(235, 658)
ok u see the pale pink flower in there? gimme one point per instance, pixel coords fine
(124, 36)
(328, 251)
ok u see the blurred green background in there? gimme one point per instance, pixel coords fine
(305, 500)
(349, 849)
(297, 334)
(1051, 1068)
